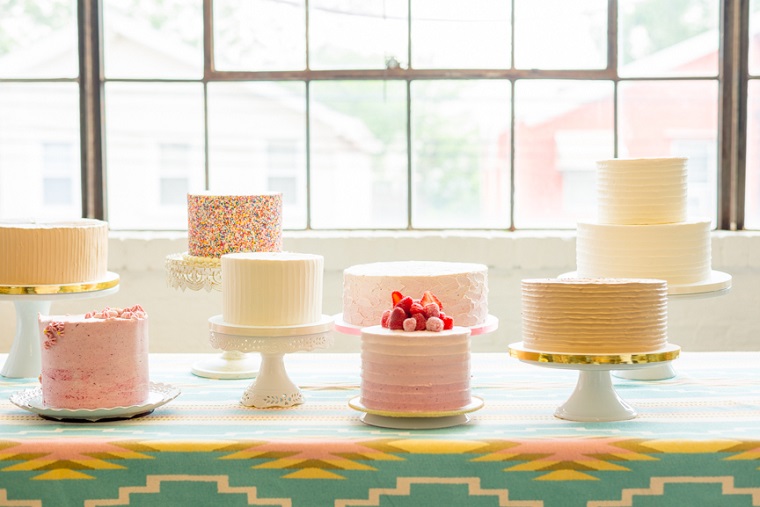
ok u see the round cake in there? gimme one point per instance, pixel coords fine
(462, 287)
(221, 224)
(594, 316)
(53, 253)
(96, 360)
(272, 288)
(416, 371)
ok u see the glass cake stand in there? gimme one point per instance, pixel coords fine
(594, 398)
(24, 358)
(272, 387)
(185, 271)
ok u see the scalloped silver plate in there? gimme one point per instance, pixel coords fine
(31, 400)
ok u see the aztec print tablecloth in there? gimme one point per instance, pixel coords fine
(696, 442)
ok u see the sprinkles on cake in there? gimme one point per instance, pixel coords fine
(424, 314)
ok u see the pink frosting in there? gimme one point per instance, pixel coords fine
(133, 312)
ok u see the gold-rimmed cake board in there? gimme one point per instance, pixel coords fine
(594, 398)
(30, 300)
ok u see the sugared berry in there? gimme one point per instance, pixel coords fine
(385, 318)
(406, 304)
(416, 308)
(434, 324)
(410, 324)
(432, 310)
(421, 321)
(397, 318)
(448, 322)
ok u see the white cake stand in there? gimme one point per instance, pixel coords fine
(594, 398)
(272, 387)
(24, 358)
(185, 271)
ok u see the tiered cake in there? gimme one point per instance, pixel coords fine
(53, 253)
(642, 229)
(367, 288)
(97, 360)
(599, 316)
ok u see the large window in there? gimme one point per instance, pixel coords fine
(400, 114)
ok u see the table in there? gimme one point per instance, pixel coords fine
(696, 441)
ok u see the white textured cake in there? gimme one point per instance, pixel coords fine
(218, 224)
(272, 288)
(463, 288)
(97, 360)
(415, 371)
(53, 253)
(642, 229)
(594, 316)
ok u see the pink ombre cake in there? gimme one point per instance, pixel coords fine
(96, 360)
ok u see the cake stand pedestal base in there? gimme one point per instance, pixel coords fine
(594, 399)
(230, 365)
(24, 357)
(273, 387)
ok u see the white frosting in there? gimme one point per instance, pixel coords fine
(678, 253)
(51, 253)
(418, 371)
(272, 288)
(461, 287)
(602, 316)
(641, 191)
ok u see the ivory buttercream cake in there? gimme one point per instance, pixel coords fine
(642, 229)
(594, 316)
(52, 253)
(96, 360)
(463, 287)
(272, 288)
(220, 224)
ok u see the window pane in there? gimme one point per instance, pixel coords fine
(355, 34)
(674, 118)
(752, 193)
(153, 38)
(358, 154)
(147, 125)
(557, 34)
(561, 129)
(454, 34)
(38, 41)
(39, 140)
(257, 142)
(259, 35)
(460, 154)
(668, 38)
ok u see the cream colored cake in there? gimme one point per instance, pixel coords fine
(272, 288)
(97, 360)
(642, 230)
(417, 371)
(218, 224)
(594, 316)
(53, 253)
(462, 287)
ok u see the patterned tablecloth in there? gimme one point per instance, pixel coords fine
(696, 441)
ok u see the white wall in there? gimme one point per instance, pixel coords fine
(178, 320)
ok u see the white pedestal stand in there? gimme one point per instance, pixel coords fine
(272, 387)
(24, 358)
(185, 271)
(594, 398)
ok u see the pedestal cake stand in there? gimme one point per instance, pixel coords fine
(24, 358)
(594, 398)
(272, 387)
(185, 271)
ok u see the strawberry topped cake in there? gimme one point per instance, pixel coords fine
(416, 360)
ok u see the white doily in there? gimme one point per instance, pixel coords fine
(185, 271)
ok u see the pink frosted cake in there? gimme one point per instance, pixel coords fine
(221, 224)
(96, 360)
(415, 362)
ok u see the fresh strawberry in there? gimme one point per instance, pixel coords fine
(416, 308)
(397, 318)
(448, 322)
(410, 324)
(421, 321)
(432, 310)
(434, 324)
(429, 297)
(406, 303)
(396, 296)
(385, 318)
